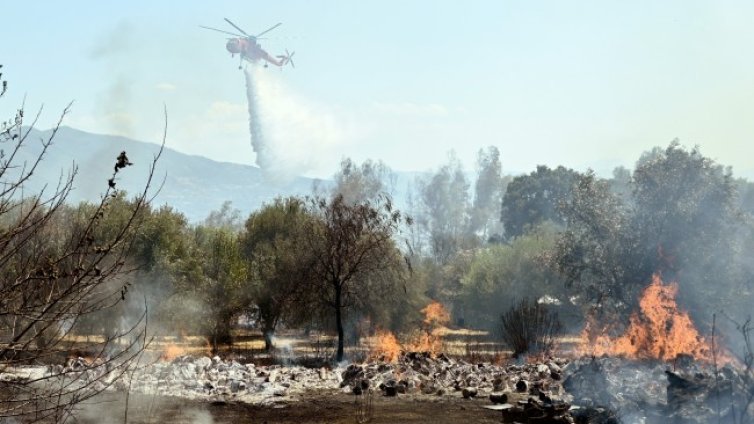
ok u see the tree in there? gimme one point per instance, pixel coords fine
(444, 210)
(501, 275)
(272, 245)
(680, 221)
(534, 198)
(687, 220)
(226, 217)
(51, 275)
(213, 280)
(594, 252)
(159, 242)
(351, 244)
(620, 184)
(488, 192)
(359, 183)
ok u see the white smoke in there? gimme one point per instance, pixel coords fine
(289, 134)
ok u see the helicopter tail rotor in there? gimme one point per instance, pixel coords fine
(288, 58)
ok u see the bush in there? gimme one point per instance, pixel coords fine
(530, 328)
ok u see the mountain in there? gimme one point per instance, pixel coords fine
(193, 185)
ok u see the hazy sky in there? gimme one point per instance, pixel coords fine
(559, 82)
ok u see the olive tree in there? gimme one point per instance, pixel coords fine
(351, 243)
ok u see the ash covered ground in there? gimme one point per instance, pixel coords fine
(416, 388)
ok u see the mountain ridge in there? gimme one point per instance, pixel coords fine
(193, 184)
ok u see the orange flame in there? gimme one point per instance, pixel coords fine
(430, 340)
(435, 315)
(171, 352)
(385, 347)
(658, 331)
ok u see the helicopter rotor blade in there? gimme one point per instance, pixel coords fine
(270, 29)
(236, 27)
(219, 30)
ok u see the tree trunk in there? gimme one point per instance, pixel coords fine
(339, 321)
(268, 333)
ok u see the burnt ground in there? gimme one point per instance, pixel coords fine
(332, 407)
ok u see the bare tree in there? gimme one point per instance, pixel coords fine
(351, 244)
(54, 273)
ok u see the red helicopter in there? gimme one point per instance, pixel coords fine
(249, 49)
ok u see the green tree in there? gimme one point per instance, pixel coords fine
(273, 245)
(686, 218)
(596, 252)
(532, 199)
(502, 275)
(679, 221)
(211, 285)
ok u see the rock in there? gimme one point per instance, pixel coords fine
(391, 391)
(351, 373)
(469, 392)
(498, 398)
(237, 386)
(279, 392)
(428, 389)
(203, 363)
(402, 387)
(416, 373)
(522, 386)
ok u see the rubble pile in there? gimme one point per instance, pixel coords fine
(589, 390)
(414, 373)
(648, 392)
(418, 372)
(217, 379)
(617, 384)
(543, 411)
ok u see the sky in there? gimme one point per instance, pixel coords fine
(574, 83)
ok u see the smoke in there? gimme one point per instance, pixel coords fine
(109, 408)
(289, 134)
(115, 102)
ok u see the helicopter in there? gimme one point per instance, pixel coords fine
(250, 50)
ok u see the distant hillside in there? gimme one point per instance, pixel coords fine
(193, 185)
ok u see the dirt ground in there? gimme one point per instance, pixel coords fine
(334, 407)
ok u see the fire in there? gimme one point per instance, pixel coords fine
(385, 347)
(435, 315)
(171, 352)
(659, 330)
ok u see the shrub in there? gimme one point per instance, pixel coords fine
(530, 328)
